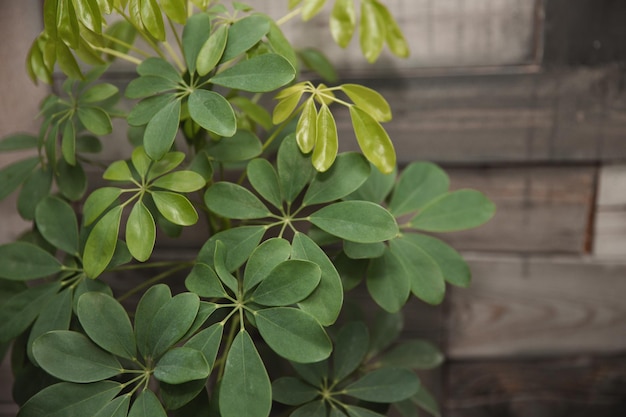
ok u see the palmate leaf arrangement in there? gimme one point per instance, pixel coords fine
(300, 227)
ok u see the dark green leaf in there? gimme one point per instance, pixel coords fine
(349, 171)
(351, 271)
(88, 144)
(90, 285)
(363, 250)
(294, 168)
(204, 281)
(316, 61)
(140, 232)
(418, 185)
(101, 243)
(425, 400)
(174, 397)
(245, 390)
(253, 111)
(72, 180)
(35, 188)
(116, 408)
(148, 85)
(293, 334)
(166, 164)
(355, 411)
(242, 146)
(70, 400)
(373, 140)
(376, 188)
(147, 405)
(98, 92)
(147, 108)
(55, 315)
(171, 322)
(414, 354)
(161, 130)
(280, 44)
(122, 30)
(175, 208)
(264, 259)
(202, 165)
(181, 365)
(234, 201)
(288, 283)
(264, 180)
(292, 391)
(313, 409)
(259, 74)
(21, 261)
(180, 181)
(239, 241)
(389, 281)
(343, 22)
(244, 34)
(56, 221)
(213, 112)
(208, 342)
(18, 141)
(13, 175)
(386, 329)
(106, 323)
(95, 119)
(153, 299)
(220, 268)
(158, 67)
(212, 50)
(68, 143)
(66, 61)
(351, 347)
(72, 357)
(98, 202)
(313, 373)
(385, 385)
(195, 34)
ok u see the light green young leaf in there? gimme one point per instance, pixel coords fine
(292, 391)
(264, 180)
(66, 60)
(56, 221)
(414, 354)
(118, 171)
(351, 271)
(106, 323)
(66, 399)
(181, 365)
(393, 34)
(293, 334)
(171, 322)
(242, 146)
(306, 129)
(72, 180)
(457, 210)
(101, 243)
(263, 260)
(56, 314)
(175, 208)
(161, 130)
(147, 405)
(21, 261)
(368, 100)
(357, 221)
(372, 31)
(286, 106)
(175, 10)
(246, 390)
(326, 140)
(288, 283)
(213, 112)
(234, 202)
(244, 34)
(72, 357)
(418, 185)
(153, 299)
(258, 74)
(385, 385)
(98, 202)
(36, 187)
(211, 52)
(343, 22)
(240, 242)
(349, 171)
(13, 175)
(311, 7)
(203, 281)
(152, 19)
(208, 342)
(95, 119)
(373, 140)
(180, 181)
(326, 301)
(158, 67)
(351, 347)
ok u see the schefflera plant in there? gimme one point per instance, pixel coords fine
(260, 320)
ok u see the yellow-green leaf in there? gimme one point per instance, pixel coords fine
(343, 22)
(368, 100)
(393, 34)
(311, 7)
(152, 19)
(372, 32)
(307, 127)
(373, 140)
(286, 106)
(326, 142)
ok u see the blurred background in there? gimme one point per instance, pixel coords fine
(524, 100)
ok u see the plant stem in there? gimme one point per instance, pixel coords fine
(118, 54)
(174, 56)
(153, 280)
(126, 45)
(289, 16)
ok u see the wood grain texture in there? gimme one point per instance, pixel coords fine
(578, 386)
(538, 306)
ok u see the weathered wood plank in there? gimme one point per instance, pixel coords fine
(530, 306)
(573, 386)
(610, 216)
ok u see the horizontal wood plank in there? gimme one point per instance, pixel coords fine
(538, 306)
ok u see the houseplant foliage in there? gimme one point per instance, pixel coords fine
(298, 228)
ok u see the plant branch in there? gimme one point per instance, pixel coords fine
(154, 280)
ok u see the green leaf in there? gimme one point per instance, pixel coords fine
(212, 50)
(18, 141)
(71, 180)
(141, 161)
(368, 100)
(386, 329)
(427, 282)
(311, 7)
(452, 265)
(72, 357)
(203, 281)
(316, 61)
(118, 407)
(349, 171)
(388, 281)
(118, 171)
(35, 188)
(351, 347)
(292, 391)
(98, 202)
(213, 112)
(287, 105)
(13, 175)
(175, 397)
(414, 354)
(101, 243)
(148, 85)
(152, 19)
(66, 60)
(358, 221)
(258, 74)
(264, 180)
(171, 322)
(372, 32)
(56, 314)
(147, 405)
(306, 129)
(121, 30)
(294, 168)
(293, 334)
(175, 10)
(161, 130)
(425, 400)
(418, 185)
(95, 119)
(220, 268)
(373, 140)
(263, 260)
(393, 34)
(208, 342)
(242, 146)
(106, 323)
(90, 285)
(68, 143)
(343, 22)
(166, 164)
(147, 108)
(195, 34)
(21, 261)
(245, 390)
(385, 385)
(244, 34)
(89, 15)
(205, 310)
(253, 111)
(234, 201)
(288, 283)
(239, 241)
(280, 44)
(175, 208)
(181, 365)
(68, 400)
(355, 411)
(457, 210)
(56, 221)
(153, 299)
(180, 181)
(363, 250)
(325, 302)
(158, 67)
(98, 92)
(313, 409)
(202, 165)
(326, 140)
(352, 271)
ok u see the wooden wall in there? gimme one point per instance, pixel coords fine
(526, 101)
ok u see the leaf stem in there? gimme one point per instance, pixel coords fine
(118, 54)
(125, 45)
(154, 280)
(172, 53)
(289, 16)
